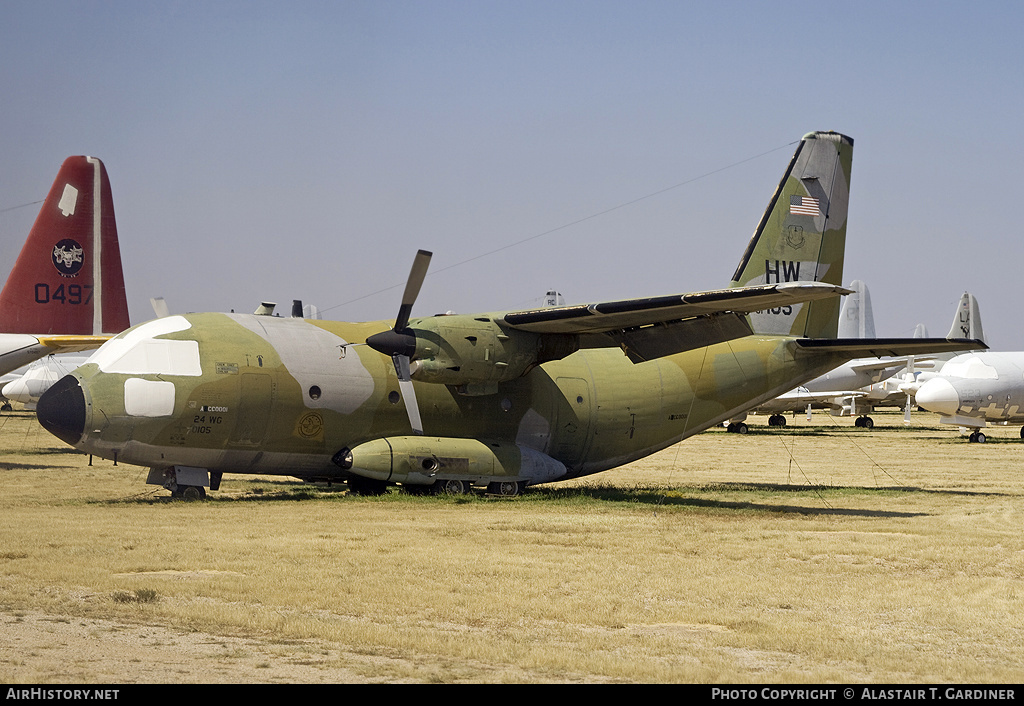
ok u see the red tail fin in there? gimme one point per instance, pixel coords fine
(68, 278)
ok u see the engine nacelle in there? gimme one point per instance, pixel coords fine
(477, 353)
(422, 460)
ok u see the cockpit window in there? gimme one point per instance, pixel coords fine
(148, 398)
(137, 351)
(971, 367)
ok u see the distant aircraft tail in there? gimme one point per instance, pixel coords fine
(802, 236)
(967, 320)
(965, 335)
(856, 319)
(68, 278)
(966, 325)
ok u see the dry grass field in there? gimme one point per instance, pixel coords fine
(817, 553)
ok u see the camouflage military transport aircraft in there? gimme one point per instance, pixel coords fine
(66, 290)
(495, 400)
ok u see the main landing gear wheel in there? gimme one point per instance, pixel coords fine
(190, 492)
(450, 487)
(777, 420)
(976, 437)
(866, 422)
(737, 428)
(505, 488)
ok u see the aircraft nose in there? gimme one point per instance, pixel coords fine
(938, 395)
(18, 391)
(61, 410)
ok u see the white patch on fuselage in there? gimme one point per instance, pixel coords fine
(313, 357)
(137, 351)
(148, 398)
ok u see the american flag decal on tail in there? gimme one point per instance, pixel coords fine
(804, 206)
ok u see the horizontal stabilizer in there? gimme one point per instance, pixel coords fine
(877, 347)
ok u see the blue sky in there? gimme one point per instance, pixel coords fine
(273, 151)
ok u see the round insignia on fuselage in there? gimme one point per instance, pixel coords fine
(310, 425)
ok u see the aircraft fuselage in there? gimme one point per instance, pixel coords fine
(268, 395)
(976, 388)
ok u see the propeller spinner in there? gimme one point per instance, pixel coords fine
(400, 341)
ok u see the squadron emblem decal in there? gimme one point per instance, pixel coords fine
(311, 425)
(67, 257)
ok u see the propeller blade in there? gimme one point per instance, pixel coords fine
(399, 341)
(412, 287)
(408, 393)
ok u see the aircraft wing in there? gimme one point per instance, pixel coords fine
(17, 350)
(630, 313)
(801, 397)
(651, 328)
(802, 394)
(879, 365)
(72, 344)
(920, 361)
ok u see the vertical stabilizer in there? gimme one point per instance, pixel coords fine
(856, 320)
(802, 236)
(967, 320)
(68, 278)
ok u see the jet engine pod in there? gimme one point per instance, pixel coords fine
(422, 460)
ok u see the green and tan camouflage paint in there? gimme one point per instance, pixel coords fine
(309, 399)
(802, 236)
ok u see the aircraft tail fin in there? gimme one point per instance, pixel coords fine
(856, 320)
(967, 320)
(68, 277)
(802, 236)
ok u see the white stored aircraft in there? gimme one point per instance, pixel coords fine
(901, 388)
(973, 390)
(860, 386)
(37, 378)
(66, 290)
